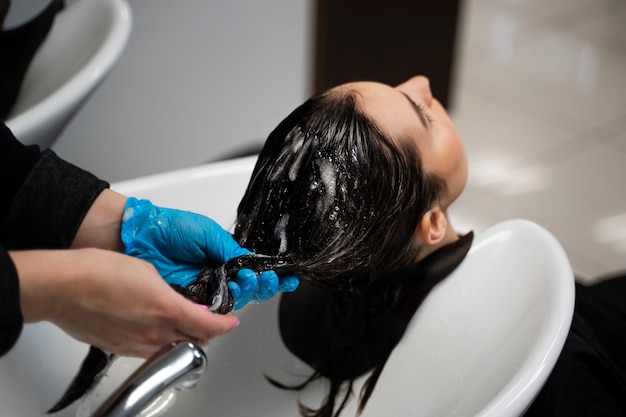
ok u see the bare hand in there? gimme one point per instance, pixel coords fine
(112, 301)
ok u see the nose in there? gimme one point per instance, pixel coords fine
(418, 88)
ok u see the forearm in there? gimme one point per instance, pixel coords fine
(43, 278)
(113, 301)
(102, 225)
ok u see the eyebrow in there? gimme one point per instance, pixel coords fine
(419, 111)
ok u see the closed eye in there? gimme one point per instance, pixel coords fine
(421, 111)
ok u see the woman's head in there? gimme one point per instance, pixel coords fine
(409, 113)
(342, 183)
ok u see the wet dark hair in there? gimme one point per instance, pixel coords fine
(334, 198)
(336, 202)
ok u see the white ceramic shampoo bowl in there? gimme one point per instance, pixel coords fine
(482, 344)
(485, 340)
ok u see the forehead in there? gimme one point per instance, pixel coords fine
(385, 106)
(368, 91)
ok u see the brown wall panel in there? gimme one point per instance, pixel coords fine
(387, 41)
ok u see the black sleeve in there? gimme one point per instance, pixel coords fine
(44, 206)
(50, 205)
(43, 201)
(10, 314)
(16, 161)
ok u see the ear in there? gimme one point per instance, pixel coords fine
(433, 226)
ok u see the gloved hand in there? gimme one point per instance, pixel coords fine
(179, 243)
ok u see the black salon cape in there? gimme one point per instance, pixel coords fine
(43, 200)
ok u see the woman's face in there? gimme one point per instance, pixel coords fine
(409, 112)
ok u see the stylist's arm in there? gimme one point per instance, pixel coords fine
(116, 302)
(113, 301)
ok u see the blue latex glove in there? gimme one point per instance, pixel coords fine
(178, 244)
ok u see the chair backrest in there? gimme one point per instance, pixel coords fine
(86, 40)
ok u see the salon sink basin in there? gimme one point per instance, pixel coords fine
(486, 339)
(482, 344)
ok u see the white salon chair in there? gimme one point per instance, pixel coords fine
(86, 40)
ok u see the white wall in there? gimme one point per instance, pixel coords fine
(198, 81)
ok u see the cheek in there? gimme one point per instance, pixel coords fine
(448, 156)
(451, 161)
(453, 150)
(447, 141)
(456, 165)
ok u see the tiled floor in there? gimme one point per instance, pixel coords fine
(540, 102)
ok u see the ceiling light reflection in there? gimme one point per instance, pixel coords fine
(503, 29)
(498, 171)
(611, 231)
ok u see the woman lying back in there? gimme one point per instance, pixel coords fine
(350, 193)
